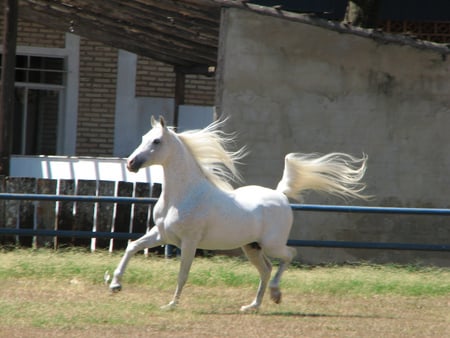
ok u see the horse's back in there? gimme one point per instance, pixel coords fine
(268, 205)
(245, 215)
(254, 196)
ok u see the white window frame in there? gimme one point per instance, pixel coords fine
(68, 107)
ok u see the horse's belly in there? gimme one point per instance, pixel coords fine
(228, 232)
(249, 220)
(221, 244)
(225, 222)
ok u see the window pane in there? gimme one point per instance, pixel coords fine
(35, 122)
(52, 63)
(35, 62)
(34, 77)
(46, 104)
(52, 78)
(21, 75)
(21, 61)
(19, 104)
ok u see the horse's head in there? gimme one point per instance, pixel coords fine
(151, 150)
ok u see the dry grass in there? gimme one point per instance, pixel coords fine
(52, 295)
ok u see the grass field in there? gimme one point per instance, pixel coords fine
(62, 294)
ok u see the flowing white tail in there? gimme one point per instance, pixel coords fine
(336, 173)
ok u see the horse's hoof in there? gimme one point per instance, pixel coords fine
(275, 294)
(169, 307)
(250, 308)
(115, 288)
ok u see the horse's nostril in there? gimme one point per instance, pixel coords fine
(131, 164)
(134, 164)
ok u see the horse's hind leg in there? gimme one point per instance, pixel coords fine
(262, 263)
(149, 240)
(285, 254)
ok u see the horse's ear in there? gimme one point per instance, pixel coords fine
(162, 122)
(153, 122)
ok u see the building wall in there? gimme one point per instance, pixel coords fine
(297, 87)
(200, 90)
(156, 79)
(31, 34)
(98, 72)
(97, 85)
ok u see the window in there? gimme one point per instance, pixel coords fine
(37, 69)
(38, 101)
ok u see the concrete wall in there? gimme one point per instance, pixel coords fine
(301, 87)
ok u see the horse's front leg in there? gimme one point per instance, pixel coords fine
(149, 240)
(188, 250)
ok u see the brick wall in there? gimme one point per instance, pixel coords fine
(31, 34)
(98, 72)
(156, 79)
(97, 95)
(97, 90)
(200, 90)
(436, 31)
(98, 64)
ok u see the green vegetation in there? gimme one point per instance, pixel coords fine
(63, 294)
(226, 272)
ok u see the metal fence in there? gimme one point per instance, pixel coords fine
(148, 202)
(38, 212)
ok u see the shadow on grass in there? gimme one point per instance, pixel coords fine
(297, 314)
(322, 315)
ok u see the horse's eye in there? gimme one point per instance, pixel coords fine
(156, 141)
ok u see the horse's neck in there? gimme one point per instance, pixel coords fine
(181, 174)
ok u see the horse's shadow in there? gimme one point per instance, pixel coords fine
(299, 314)
(319, 315)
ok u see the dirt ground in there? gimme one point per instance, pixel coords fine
(49, 309)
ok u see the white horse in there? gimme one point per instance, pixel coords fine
(199, 209)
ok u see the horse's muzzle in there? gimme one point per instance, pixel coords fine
(133, 165)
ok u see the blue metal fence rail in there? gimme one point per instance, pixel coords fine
(77, 198)
(370, 210)
(298, 207)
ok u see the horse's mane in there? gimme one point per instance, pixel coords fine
(209, 146)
